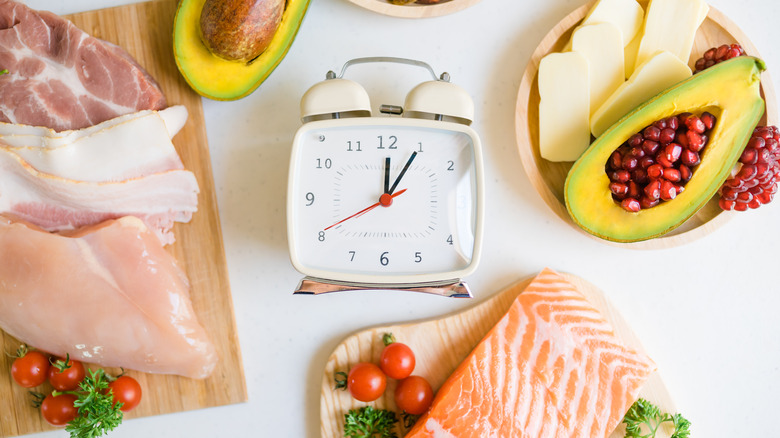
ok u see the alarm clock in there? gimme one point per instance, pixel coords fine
(393, 201)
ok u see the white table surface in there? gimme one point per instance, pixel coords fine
(705, 311)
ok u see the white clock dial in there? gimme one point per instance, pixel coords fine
(377, 199)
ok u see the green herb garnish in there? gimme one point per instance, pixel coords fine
(368, 422)
(644, 419)
(97, 412)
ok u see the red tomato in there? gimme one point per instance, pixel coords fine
(31, 369)
(127, 391)
(67, 379)
(413, 395)
(59, 410)
(366, 382)
(397, 361)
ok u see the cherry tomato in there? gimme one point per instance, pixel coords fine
(397, 361)
(31, 369)
(69, 378)
(413, 395)
(366, 382)
(59, 410)
(127, 391)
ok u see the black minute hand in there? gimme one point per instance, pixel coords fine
(403, 171)
(387, 175)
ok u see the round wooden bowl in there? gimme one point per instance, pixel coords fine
(549, 177)
(414, 10)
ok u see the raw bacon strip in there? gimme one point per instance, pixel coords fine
(57, 204)
(122, 148)
(62, 78)
(109, 295)
(551, 367)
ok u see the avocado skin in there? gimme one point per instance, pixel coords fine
(217, 78)
(729, 90)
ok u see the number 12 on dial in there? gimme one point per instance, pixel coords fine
(385, 201)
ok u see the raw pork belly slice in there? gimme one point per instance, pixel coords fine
(62, 78)
(58, 204)
(109, 295)
(552, 367)
(126, 147)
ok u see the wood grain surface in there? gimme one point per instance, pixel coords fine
(145, 31)
(548, 177)
(414, 10)
(440, 345)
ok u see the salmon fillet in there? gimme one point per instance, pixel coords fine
(551, 367)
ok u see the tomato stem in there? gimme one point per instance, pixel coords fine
(341, 380)
(388, 339)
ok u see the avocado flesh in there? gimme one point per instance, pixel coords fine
(730, 91)
(220, 79)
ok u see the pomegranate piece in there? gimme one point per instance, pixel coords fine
(754, 183)
(717, 55)
(654, 164)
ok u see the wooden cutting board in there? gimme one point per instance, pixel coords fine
(440, 345)
(145, 31)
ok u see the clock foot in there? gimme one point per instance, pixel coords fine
(454, 288)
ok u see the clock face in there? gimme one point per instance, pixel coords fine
(383, 200)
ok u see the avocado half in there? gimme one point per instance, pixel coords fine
(220, 79)
(730, 91)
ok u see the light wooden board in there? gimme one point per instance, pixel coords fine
(145, 30)
(414, 10)
(549, 177)
(440, 345)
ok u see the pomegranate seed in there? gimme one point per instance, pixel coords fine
(650, 147)
(633, 189)
(745, 196)
(655, 171)
(695, 141)
(765, 197)
(749, 155)
(717, 55)
(651, 133)
(667, 135)
(653, 189)
(622, 176)
(631, 204)
(726, 204)
(646, 202)
(690, 158)
(750, 183)
(646, 162)
(740, 206)
(681, 139)
(618, 189)
(764, 156)
(695, 124)
(616, 160)
(708, 119)
(630, 163)
(672, 152)
(727, 193)
(747, 172)
(755, 203)
(685, 173)
(735, 183)
(668, 192)
(672, 174)
(660, 158)
(660, 124)
(640, 176)
(672, 123)
(635, 140)
(679, 188)
(636, 152)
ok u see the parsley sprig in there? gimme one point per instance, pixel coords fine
(97, 412)
(644, 419)
(368, 422)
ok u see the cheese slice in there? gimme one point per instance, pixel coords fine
(602, 46)
(629, 54)
(671, 25)
(626, 15)
(564, 106)
(657, 74)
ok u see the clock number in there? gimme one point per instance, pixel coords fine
(392, 145)
(321, 236)
(357, 146)
(419, 143)
(310, 198)
(451, 165)
(383, 258)
(327, 163)
(449, 239)
(351, 256)
(417, 257)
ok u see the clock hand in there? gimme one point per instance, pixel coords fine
(383, 201)
(403, 171)
(387, 175)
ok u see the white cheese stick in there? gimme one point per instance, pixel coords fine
(626, 15)
(671, 25)
(655, 75)
(602, 45)
(564, 106)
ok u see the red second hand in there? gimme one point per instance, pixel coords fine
(363, 211)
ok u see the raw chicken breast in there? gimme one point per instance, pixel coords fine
(552, 367)
(108, 294)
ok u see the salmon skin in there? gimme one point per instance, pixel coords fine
(551, 367)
